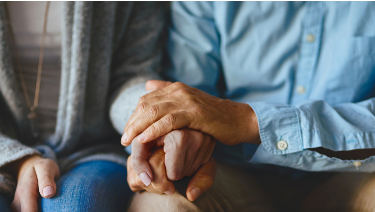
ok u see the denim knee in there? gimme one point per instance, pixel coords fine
(91, 186)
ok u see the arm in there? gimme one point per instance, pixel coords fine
(319, 136)
(137, 58)
(309, 128)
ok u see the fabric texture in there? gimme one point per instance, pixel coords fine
(107, 47)
(91, 186)
(26, 19)
(251, 190)
(306, 68)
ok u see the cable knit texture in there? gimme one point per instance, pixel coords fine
(109, 51)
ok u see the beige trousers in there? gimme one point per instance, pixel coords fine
(237, 190)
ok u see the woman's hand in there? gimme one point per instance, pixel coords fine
(185, 151)
(201, 181)
(34, 173)
(177, 106)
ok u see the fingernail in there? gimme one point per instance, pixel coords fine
(145, 178)
(123, 138)
(195, 192)
(141, 137)
(169, 192)
(48, 190)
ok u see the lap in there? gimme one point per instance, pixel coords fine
(233, 190)
(91, 186)
(343, 192)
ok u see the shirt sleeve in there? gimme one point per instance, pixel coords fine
(288, 132)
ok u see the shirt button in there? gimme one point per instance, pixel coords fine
(301, 89)
(357, 164)
(282, 145)
(310, 38)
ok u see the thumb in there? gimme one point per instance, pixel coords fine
(139, 161)
(202, 180)
(152, 85)
(46, 172)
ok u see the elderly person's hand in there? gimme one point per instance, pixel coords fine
(200, 182)
(185, 151)
(177, 106)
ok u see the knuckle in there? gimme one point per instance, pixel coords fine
(183, 91)
(198, 111)
(154, 129)
(179, 84)
(142, 105)
(153, 111)
(156, 162)
(169, 119)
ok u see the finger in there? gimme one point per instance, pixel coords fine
(146, 111)
(47, 171)
(200, 158)
(26, 196)
(195, 140)
(175, 153)
(134, 182)
(143, 105)
(166, 124)
(160, 182)
(156, 84)
(139, 161)
(202, 180)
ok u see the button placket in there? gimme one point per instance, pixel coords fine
(309, 50)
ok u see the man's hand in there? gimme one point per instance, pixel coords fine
(32, 173)
(200, 182)
(177, 106)
(185, 151)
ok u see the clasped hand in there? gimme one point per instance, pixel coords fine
(201, 118)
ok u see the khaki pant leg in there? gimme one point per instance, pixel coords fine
(233, 190)
(343, 192)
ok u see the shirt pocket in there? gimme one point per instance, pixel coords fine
(351, 74)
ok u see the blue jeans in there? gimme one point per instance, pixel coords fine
(91, 186)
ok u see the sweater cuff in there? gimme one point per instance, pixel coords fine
(124, 105)
(12, 150)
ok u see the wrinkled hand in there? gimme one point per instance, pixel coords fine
(34, 173)
(200, 182)
(185, 151)
(177, 106)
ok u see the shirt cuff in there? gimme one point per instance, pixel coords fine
(279, 128)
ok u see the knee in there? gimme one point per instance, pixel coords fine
(92, 186)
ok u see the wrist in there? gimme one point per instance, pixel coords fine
(252, 127)
(19, 166)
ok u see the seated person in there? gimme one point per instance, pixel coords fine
(60, 142)
(287, 91)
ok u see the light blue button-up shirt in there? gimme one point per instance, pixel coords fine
(307, 70)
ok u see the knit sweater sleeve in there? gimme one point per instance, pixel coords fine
(137, 59)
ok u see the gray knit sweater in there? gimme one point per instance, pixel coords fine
(109, 50)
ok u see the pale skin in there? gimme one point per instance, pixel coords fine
(35, 177)
(201, 181)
